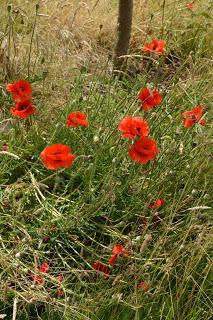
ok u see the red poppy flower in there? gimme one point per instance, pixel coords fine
(149, 99)
(44, 268)
(21, 90)
(60, 293)
(99, 266)
(23, 109)
(143, 150)
(77, 118)
(157, 204)
(157, 46)
(5, 147)
(118, 249)
(133, 126)
(59, 279)
(193, 116)
(57, 156)
(144, 285)
(113, 259)
(190, 5)
(37, 279)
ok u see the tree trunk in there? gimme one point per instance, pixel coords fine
(124, 33)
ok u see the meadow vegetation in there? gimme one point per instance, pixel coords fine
(55, 224)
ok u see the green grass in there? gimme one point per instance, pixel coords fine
(102, 199)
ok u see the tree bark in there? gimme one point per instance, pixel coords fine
(123, 33)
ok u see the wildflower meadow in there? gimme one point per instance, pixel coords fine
(106, 175)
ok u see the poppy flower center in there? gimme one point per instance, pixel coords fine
(193, 117)
(146, 147)
(23, 107)
(142, 152)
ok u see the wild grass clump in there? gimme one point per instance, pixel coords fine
(105, 237)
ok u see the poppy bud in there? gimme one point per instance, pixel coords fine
(46, 239)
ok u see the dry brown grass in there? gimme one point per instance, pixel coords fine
(71, 36)
(68, 35)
